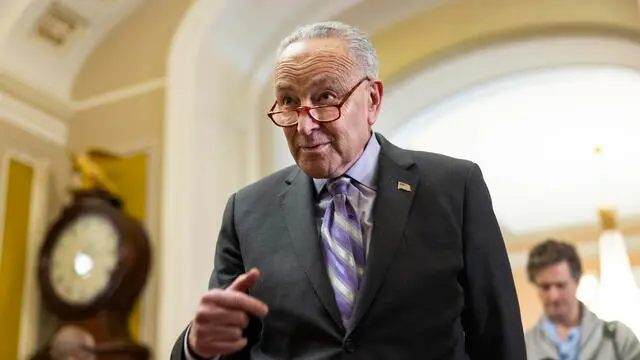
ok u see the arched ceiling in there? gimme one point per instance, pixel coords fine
(43, 43)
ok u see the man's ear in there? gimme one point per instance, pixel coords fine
(376, 91)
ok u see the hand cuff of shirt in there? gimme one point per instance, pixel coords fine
(189, 353)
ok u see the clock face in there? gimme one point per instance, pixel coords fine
(83, 259)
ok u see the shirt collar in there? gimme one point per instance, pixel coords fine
(550, 330)
(363, 170)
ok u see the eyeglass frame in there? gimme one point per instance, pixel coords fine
(307, 109)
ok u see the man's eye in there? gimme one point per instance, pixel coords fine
(326, 96)
(286, 101)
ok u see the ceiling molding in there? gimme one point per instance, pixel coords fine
(35, 97)
(119, 94)
(66, 110)
(32, 120)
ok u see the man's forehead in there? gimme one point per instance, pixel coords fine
(319, 79)
(552, 282)
(313, 63)
(314, 47)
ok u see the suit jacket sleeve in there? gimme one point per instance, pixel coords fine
(491, 319)
(228, 264)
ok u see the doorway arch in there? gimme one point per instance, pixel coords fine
(554, 62)
(212, 140)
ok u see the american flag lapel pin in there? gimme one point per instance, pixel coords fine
(404, 186)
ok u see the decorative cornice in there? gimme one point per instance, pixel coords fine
(32, 120)
(34, 97)
(119, 94)
(27, 115)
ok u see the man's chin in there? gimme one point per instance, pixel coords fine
(316, 167)
(555, 314)
(314, 171)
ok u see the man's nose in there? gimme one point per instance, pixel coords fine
(553, 293)
(306, 124)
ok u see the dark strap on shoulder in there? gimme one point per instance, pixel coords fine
(609, 331)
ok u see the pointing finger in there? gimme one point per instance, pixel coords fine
(245, 281)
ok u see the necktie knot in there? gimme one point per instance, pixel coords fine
(338, 186)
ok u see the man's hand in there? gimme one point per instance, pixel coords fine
(222, 315)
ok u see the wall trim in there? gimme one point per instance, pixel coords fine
(35, 232)
(4, 184)
(38, 221)
(53, 129)
(119, 94)
(32, 120)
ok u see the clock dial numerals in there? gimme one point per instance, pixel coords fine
(84, 258)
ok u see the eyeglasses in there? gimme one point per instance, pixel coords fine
(320, 113)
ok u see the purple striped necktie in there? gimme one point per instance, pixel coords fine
(344, 246)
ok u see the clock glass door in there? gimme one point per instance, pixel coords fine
(84, 258)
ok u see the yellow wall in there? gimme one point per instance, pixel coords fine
(129, 175)
(13, 258)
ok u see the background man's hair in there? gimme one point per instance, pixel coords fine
(357, 41)
(552, 252)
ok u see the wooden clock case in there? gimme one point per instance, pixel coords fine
(105, 317)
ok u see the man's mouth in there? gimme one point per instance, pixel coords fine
(315, 147)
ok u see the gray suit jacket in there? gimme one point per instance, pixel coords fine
(594, 345)
(437, 285)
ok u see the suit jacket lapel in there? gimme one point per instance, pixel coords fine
(297, 202)
(390, 213)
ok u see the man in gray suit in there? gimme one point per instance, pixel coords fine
(361, 250)
(568, 330)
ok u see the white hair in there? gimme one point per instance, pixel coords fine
(357, 41)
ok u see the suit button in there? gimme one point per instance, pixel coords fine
(349, 346)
